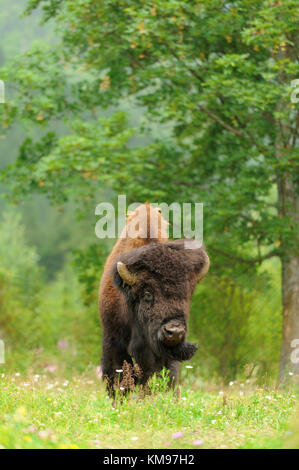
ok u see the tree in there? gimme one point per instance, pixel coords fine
(220, 75)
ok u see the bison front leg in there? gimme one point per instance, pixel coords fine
(174, 369)
(113, 357)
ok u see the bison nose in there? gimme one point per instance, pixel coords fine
(173, 334)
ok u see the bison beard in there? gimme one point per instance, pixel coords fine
(181, 352)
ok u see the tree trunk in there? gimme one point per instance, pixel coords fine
(289, 360)
(288, 201)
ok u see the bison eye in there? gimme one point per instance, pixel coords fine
(148, 297)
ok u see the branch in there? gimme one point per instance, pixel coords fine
(189, 184)
(252, 261)
(213, 115)
(223, 100)
(221, 122)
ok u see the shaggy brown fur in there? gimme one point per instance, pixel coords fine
(146, 319)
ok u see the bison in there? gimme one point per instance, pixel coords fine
(144, 299)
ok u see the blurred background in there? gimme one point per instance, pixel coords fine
(50, 258)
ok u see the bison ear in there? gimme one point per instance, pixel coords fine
(196, 253)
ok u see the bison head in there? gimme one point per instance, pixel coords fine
(158, 280)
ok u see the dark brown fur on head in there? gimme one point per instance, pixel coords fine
(165, 276)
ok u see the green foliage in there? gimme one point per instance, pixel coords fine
(238, 326)
(20, 282)
(49, 9)
(19, 33)
(159, 383)
(89, 264)
(37, 318)
(71, 335)
(17, 259)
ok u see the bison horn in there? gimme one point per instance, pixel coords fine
(125, 274)
(206, 266)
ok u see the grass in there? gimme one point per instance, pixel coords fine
(48, 411)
